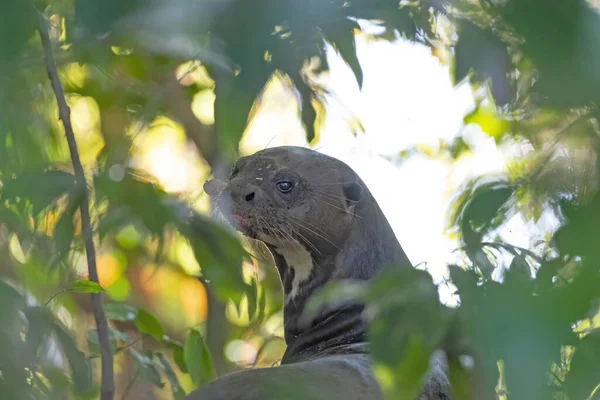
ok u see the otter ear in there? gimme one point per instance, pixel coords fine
(353, 192)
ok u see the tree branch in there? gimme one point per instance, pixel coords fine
(64, 113)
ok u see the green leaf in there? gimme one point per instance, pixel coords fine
(178, 392)
(466, 283)
(341, 35)
(584, 375)
(234, 101)
(39, 327)
(252, 299)
(15, 31)
(519, 271)
(178, 356)
(42, 188)
(219, 253)
(84, 286)
(120, 312)
(134, 196)
(404, 305)
(473, 52)
(146, 368)
(262, 306)
(490, 122)
(113, 219)
(113, 336)
(63, 234)
(147, 323)
(459, 378)
(308, 112)
(80, 368)
(198, 358)
(333, 294)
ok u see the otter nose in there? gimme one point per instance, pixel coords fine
(249, 195)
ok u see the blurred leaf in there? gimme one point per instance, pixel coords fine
(93, 20)
(489, 122)
(179, 357)
(466, 283)
(94, 342)
(333, 295)
(341, 36)
(178, 392)
(217, 251)
(84, 286)
(10, 297)
(39, 327)
(584, 376)
(139, 197)
(41, 187)
(219, 254)
(478, 211)
(120, 312)
(146, 367)
(235, 98)
(576, 236)
(262, 306)
(147, 323)
(459, 379)
(113, 219)
(63, 234)
(481, 51)
(198, 358)
(551, 33)
(252, 298)
(15, 31)
(406, 326)
(80, 368)
(519, 271)
(308, 113)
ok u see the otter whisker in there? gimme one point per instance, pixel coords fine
(330, 196)
(297, 222)
(322, 200)
(280, 234)
(270, 229)
(304, 238)
(331, 183)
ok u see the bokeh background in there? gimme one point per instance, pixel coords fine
(474, 124)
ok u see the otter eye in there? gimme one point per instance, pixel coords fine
(284, 186)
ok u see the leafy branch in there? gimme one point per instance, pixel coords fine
(64, 113)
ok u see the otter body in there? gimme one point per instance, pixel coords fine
(320, 223)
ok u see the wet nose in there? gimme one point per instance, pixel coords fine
(243, 192)
(249, 195)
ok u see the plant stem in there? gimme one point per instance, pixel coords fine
(64, 114)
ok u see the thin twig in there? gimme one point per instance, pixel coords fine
(129, 386)
(127, 345)
(53, 296)
(64, 113)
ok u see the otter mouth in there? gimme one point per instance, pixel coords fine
(241, 222)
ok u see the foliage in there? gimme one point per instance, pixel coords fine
(528, 318)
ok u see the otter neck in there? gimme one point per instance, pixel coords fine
(370, 246)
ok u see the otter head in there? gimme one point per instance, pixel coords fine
(300, 203)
